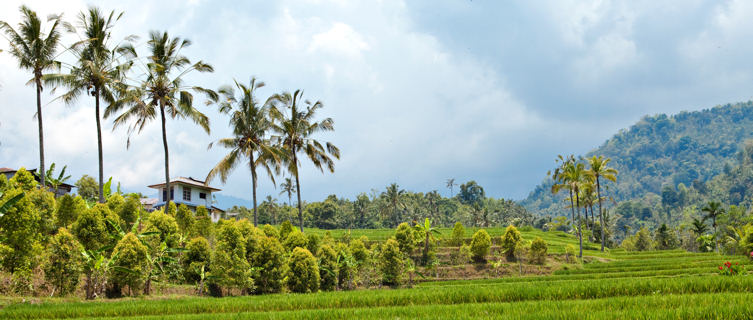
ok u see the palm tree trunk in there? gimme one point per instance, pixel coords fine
(167, 158)
(572, 209)
(580, 234)
(601, 213)
(253, 184)
(99, 146)
(298, 190)
(41, 172)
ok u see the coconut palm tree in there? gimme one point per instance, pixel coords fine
(571, 174)
(251, 125)
(288, 186)
(161, 90)
(295, 126)
(394, 197)
(599, 169)
(713, 210)
(450, 185)
(699, 227)
(560, 183)
(35, 52)
(99, 70)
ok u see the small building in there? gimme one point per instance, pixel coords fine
(61, 190)
(188, 191)
(148, 203)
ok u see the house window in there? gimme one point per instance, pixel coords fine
(164, 194)
(186, 194)
(202, 195)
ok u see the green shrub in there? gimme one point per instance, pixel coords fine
(198, 254)
(270, 231)
(665, 238)
(172, 209)
(643, 240)
(90, 229)
(461, 255)
(346, 267)
(510, 240)
(285, 228)
(130, 210)
(303, 274)
(229, 263)
(295, 239)
(458, 235)
(328, 267)
(44, 203)
(359, 251)
(706, 243)
(184, 218)
(391, 263)
(130, 254)
(269, 261)
(63, 266)
(480, 245)
(165, 225)
(203, 225)
(114, 202)
(569, 252)
(67, 211)
(312, 243)
(23, 180)
(19, 231)
(404, 235)
(538, 251)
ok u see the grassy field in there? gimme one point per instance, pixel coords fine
(618, 285)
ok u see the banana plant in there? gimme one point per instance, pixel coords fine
(49, 176)
(9, 203)
(429, 231)
(96, 268)
(157, 259)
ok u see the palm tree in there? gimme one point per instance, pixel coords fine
(451, 184)
(394, 196)
(599, 169)
(35, 53)
(162, 90)
(699, 227)
(99, 69)
(295, 127)
(560, 183)
(713, 210)
(288, 186)
(571, 174)
(251, 123)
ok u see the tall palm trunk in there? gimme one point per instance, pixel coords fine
(167, 158)
(298, 189)
(572, 209)
(580, 234)
(99, 146)
(601, 213)
(253, 182)
(41, 172)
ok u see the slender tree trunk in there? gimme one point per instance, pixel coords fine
(253, 184)
(41, 171)
(572, 209)
(298, 190)
(580, 234)
(99, 146)
(601, 214)
(167, 159)
(89, 286)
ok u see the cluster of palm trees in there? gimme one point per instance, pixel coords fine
(272, 135)
(584, 187)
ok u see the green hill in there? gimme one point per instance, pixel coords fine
(664, 160)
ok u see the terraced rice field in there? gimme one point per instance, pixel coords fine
(649, 285)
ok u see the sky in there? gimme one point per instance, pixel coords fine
(419, 91)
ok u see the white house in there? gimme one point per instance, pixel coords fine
(188, 191)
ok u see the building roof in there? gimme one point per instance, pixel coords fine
(149, 201)
(183, 180)
(33, 172)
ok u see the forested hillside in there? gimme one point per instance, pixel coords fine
(667, 162)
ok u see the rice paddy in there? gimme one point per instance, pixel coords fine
(617, 285)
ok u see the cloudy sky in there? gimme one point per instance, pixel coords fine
(420, 91)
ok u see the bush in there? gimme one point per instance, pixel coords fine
(23, 180)
(328, 268)
(67, 210)
(359, 251)
(312, 243)
(269, 261)
(303, 275)
(172, 209)
(203, 225)
(44, 203)
(462, 255)
(643, 240)
(229, 263)
(19, 232)
(391, 263)
(569, 252)
(404, 235)
(285, 229)
(130, 210)
(705, 243)
(346, 267)
(270, 231)
(63, 266)
(295, 239)
(165, 225)
(130, 254)
(114, 202)
(184, 218)
(510, 240)
(538, 250)
(90, 229)
(458, 235)
(480, 245)
(665, 238)
(198, 254)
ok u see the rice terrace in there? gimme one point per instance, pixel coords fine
(473, 160)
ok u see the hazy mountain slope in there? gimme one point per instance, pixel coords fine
(688, 148)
